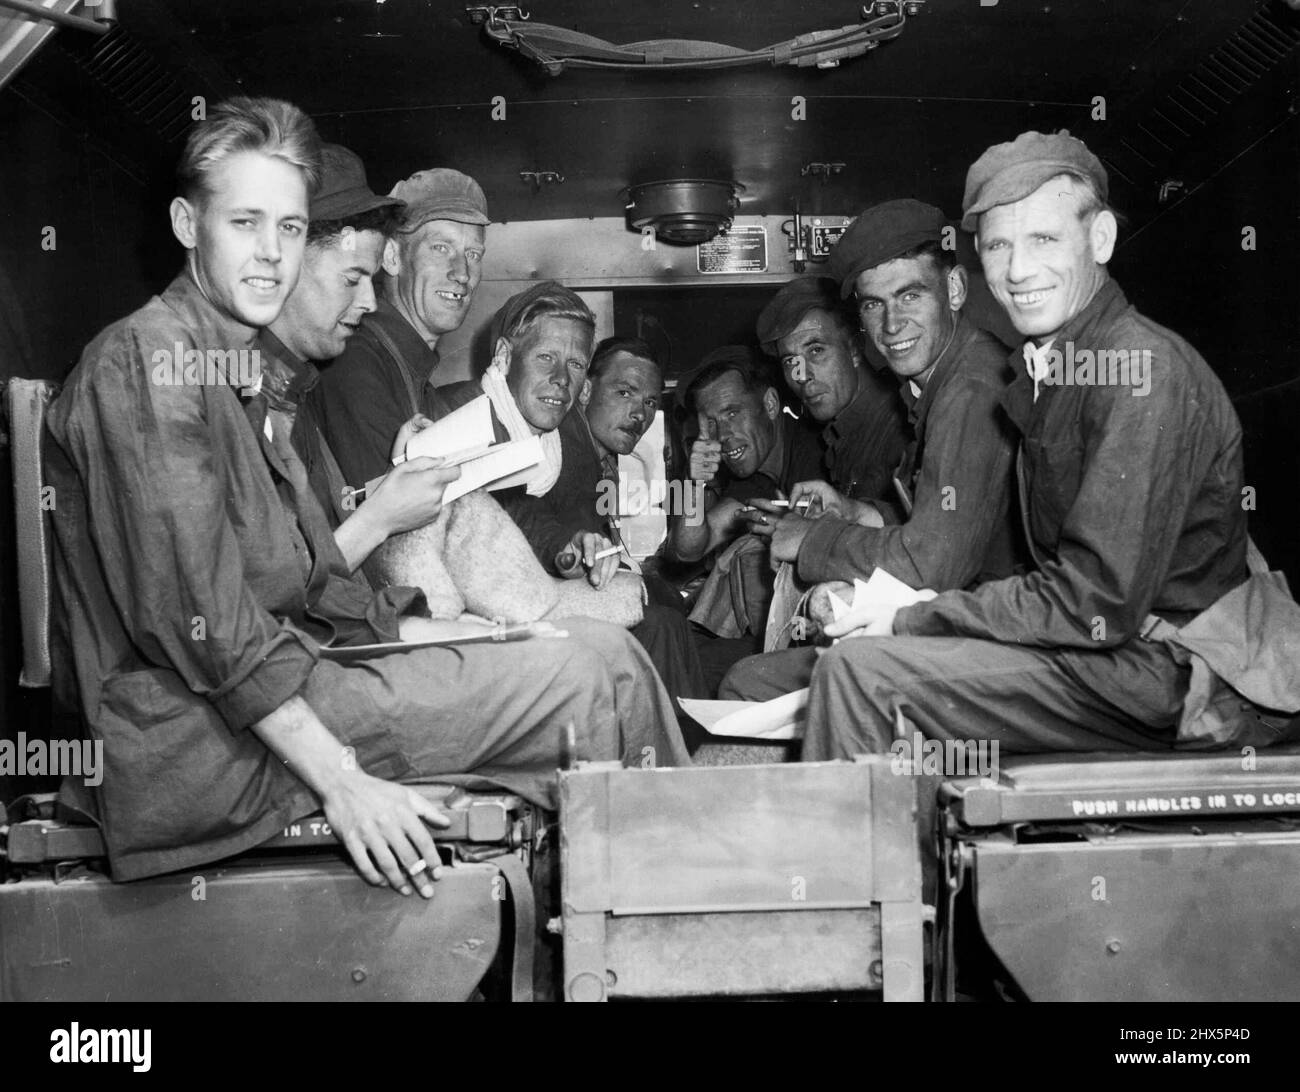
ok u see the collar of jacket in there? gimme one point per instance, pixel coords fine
(774, 465)
(286, 378)
(415, 354)
(608, 463)
(852, 419)
(1086, 327)
(213, 329)
(918, 406)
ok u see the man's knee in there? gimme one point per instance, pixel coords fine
(851, 707)
(769, 675)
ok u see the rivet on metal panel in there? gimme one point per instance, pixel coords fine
(556, 926)
(1112, 946)
(586, 987)
(358, 975)
(876, 971)
(611, 979)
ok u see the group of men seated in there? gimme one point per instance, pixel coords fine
(225, 627)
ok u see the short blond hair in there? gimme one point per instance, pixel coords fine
(243, 124)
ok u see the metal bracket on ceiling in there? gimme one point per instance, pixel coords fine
(496, 14)
(101, 24)
(892, 7)
(540, 178)
(823, 169)
(1168, 188)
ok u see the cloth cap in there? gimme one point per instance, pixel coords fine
(343, 188)
(752, 367)
(517, 304)
(881, 234)
(1006, 173)
(786, 309)
(441, 194)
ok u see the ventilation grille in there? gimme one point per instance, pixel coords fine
(127, 70)
(1266, 41)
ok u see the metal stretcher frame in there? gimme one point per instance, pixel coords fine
(740, 881)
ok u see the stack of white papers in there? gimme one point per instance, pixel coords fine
(465, 438)
(882, 592)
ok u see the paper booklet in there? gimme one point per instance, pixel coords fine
(519, 631)
(465, 438)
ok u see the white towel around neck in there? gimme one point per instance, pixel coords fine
(548, 470)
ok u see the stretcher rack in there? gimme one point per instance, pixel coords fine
(288, 921)
(740, 881)
(1129, 877)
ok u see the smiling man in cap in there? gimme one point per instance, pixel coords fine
(433, 264)
(954, 526)
(1132, 503)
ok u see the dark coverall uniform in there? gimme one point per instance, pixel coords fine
(381, 379)
(865, 441)
(1133, 505)
(197, 580)
(961, 532)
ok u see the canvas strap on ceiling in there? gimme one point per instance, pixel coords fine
(554, 47)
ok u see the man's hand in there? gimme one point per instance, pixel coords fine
(369, 816)
(788, 536)
(826, 498)
(863, 622)
(823, 498)
(706, 455)
(868, 515)
(762, 516)
(409, 495)
(579, 556)
(385, 821)
(418, 423)
(870, 621)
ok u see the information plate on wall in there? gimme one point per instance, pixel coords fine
(741, 250)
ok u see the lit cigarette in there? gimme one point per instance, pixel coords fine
(608, 553)
(780, 504)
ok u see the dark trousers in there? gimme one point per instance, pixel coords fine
(1029, 700)
(665, 633)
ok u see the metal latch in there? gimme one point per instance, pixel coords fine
(496, 14)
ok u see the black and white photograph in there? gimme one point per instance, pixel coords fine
(593, 501)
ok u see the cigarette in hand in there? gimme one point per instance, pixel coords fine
(608, 553)
(807, 502)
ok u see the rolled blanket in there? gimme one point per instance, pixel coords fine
(473, 558)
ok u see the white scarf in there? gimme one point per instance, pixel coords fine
(1038, 362)
(547, 471)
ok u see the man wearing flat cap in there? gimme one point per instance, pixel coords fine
(199, 583)
(349, 225)
(433, 264)
(956, 523)
(864, 428)
(1130, 471)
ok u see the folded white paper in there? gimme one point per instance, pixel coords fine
(461, 430)
(780, 718)
(497, 467)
